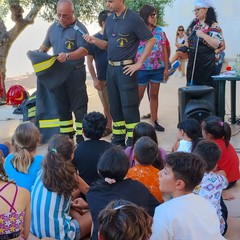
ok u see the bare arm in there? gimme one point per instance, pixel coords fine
(62, 57)
(92, 72)
(77, 54)
(27, 216)
(43, 48)
(221, 172)
(79, 203)
(211, 41)
(175, 146)
(178, 45)
(82, 187)
(130, 69)
(166, 60)
(168, 51)
(167, 46)
(176, 42)
(98, 42)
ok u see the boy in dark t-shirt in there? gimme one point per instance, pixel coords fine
(99, 79)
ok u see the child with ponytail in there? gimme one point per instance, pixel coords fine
(213, 128)
(188, 135)
(23, 164)
(51, 195)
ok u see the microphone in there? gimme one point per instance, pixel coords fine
(77, 28)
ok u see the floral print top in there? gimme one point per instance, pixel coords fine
(211, 188)
(156, 59)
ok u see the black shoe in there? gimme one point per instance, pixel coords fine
(158, 127)
(147, 116)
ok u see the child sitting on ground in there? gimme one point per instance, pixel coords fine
(88, 152)
(23, 164)
(145, 129)
(14, 210)
(188, 135)
(123, 220)
(187, 216)
(214, 129)
(145, 153)
(112, 168)
(51, 195)
(213, 182)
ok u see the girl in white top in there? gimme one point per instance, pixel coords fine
(181, 44)
(181, 38)
(188, 135)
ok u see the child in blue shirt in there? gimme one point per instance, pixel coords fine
(23, 164)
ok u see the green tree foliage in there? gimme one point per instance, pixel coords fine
(158, 4)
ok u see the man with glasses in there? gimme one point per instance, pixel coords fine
(69, 45)
(124, 29)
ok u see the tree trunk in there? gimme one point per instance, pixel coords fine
(7, 38)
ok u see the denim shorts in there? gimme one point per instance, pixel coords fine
(78, 233)
(146, 76)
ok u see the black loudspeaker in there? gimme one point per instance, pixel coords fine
(196, 102)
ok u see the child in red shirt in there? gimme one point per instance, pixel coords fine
(213, 128)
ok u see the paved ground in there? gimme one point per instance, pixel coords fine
(168, 109)
(168, 117)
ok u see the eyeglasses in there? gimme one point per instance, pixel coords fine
(153, 15)
(197, 10)
(63, 16)
(180, 29)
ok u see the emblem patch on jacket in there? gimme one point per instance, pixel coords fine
(69, 44)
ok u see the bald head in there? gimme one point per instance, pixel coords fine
(65, 12)
(66, 2)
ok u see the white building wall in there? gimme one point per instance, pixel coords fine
(228, 13)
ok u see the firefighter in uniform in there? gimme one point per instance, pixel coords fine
(123, 31)
(69, 45)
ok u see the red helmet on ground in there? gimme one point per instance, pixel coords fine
(16, 94)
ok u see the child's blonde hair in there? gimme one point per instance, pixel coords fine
(25, 140)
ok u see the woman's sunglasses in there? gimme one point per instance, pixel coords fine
(153, 15)
(180, 29)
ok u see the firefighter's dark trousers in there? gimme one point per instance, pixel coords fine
(123, 98)
(72, 97)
